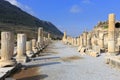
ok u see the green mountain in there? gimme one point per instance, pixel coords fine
(14, 19)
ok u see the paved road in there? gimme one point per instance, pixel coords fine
(63, 62)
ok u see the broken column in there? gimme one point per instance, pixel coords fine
(81, 43)
(44, 42)
(64, 38)
(40, 37)
(49, 36)
(94, 41)
(89, 46)
(111, 34)
(75, 41)
(72, 40)
(85, 39)
(7, 49)
(78, 41)
(21, 48)
(81, 40)
(101, 40)
(29, 51)
(34, 46)
(65, 35)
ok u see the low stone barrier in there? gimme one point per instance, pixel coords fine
(113, 61)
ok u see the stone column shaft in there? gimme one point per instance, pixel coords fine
(81, 40)
(101, 40)
(34, 43)
(21, 48)
(85, 39)
(111, 33)
(40, 37)
(64, 38)
(49, 36)
(89, 40)
(78, 41)
(34, 46)
(29, 51)
(7, 49)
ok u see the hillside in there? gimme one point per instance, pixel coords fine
(13, 18)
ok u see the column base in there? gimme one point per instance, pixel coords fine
(29, 53)
(7, 63)
(35, 50)
(23, 59)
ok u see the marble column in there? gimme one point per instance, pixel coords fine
(111, 34)
(85, 39)
(44, 42)
(64, 38)
(81, 40)
(65, 35)
(94, 41)
(29, 50)
(74, 41)
(34, 46)
(89, 41)
(49, 36)
(21, 48)
(7, 49)
(78, 41)
(101, 40)
(40, 37)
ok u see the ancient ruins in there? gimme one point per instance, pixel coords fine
(93, 43)
(24, 50)
(99, 40)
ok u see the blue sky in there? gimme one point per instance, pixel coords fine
(72, 16)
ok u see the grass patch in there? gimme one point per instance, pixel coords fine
(105, 27)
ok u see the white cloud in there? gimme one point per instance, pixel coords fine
(75, 9)
(22, 6)
(86, 1)
(14, 2)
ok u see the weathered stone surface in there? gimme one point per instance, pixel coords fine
(34, 46)
(113, 61)
(21, 48)
(89, 45)
(81, 40)
(101, 40)
(79, 48)
(111, 34)
(83, 50)
(65, 38)
(49, 38)
(94, 41)
(94, 54)
(85, 39)
(7, 49)
(29, 51)
(40, 37)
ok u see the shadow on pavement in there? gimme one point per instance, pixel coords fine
(43, 64)
(37, 77)
(34, 59)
